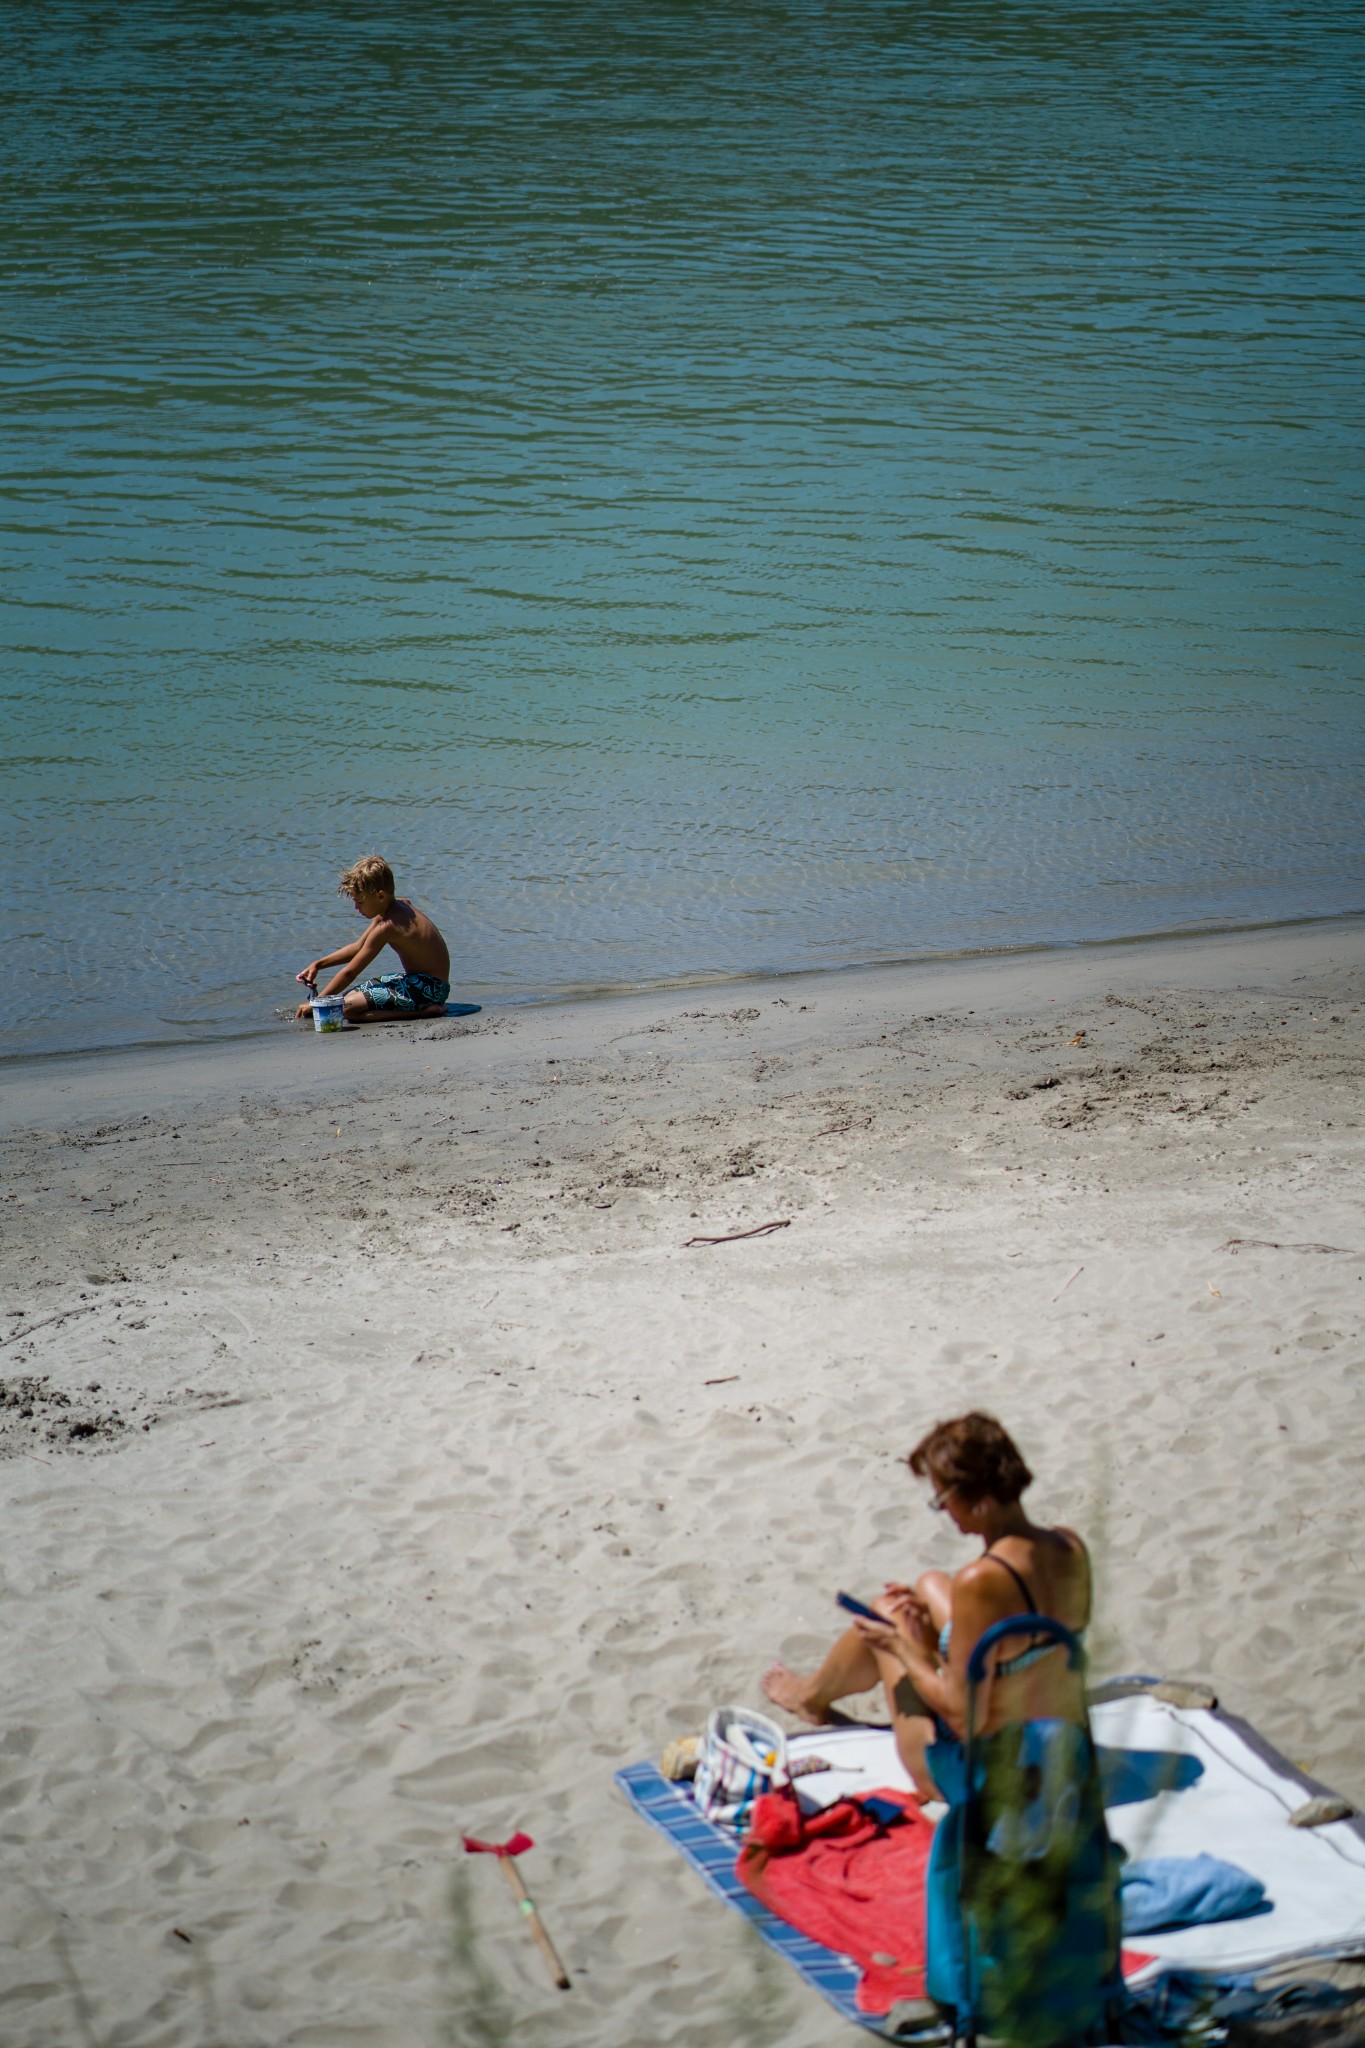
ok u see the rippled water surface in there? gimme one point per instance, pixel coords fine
(700, 487)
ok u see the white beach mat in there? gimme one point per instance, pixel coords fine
(1238, 1808)
(1228, 1794)
(1232, 1799)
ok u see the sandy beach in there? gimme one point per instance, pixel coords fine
(381, 1463)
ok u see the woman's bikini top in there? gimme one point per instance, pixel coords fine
(1010, 1665)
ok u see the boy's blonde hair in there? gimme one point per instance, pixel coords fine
(370, 876)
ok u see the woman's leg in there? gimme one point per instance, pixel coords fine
(935, 1589)
(849, 1667)
(915, 1728)
(854, 1666)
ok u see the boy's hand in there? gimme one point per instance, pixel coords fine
(309, 977)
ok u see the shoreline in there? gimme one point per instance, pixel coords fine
(698, 984)
(590, 1000)
(393, 1468)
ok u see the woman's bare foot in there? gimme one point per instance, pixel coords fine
(786, 1689)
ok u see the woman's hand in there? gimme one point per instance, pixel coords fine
(911, 1615)
(893, 1634)
(906, 1631)
(915, 1617)
(884, 1636)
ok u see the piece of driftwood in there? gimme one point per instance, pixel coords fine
(1269, 1244)
(1321, 1811)
(733, 1236)
(1173, 1692)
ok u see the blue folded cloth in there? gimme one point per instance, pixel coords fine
(1186, 1891)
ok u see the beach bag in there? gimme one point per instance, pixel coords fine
(1023, 1886)
(743, 1755)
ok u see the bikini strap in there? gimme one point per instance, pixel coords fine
(1020, 1581)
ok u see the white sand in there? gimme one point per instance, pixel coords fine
(422, 1477)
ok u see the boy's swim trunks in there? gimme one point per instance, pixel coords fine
(406, 993)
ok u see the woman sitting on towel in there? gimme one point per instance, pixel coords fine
(919, 1650)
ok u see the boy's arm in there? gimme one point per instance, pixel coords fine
(341, 953)
(355, 958)
(310, 972)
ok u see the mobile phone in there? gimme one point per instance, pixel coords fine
(859, 1607)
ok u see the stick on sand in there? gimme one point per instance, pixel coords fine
(506, 1852)
(734, 1236)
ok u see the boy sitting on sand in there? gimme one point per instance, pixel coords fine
(423, 987)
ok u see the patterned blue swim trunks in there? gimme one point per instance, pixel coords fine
(405, 993)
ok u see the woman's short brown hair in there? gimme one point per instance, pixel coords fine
(975, 1455)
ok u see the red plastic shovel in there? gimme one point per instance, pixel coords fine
(505, 1853)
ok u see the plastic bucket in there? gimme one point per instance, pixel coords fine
(328, 1012)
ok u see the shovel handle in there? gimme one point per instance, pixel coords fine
(533, 1920)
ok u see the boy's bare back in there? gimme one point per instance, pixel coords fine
(414, 938)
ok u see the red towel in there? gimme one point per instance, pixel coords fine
(846, 1882)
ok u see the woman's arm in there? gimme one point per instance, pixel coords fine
(981, 1597)
(908, 1637)
(942, 1687)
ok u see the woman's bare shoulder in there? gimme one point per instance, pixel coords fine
(977, 1578)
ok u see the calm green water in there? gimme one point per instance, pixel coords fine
(700, 487)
